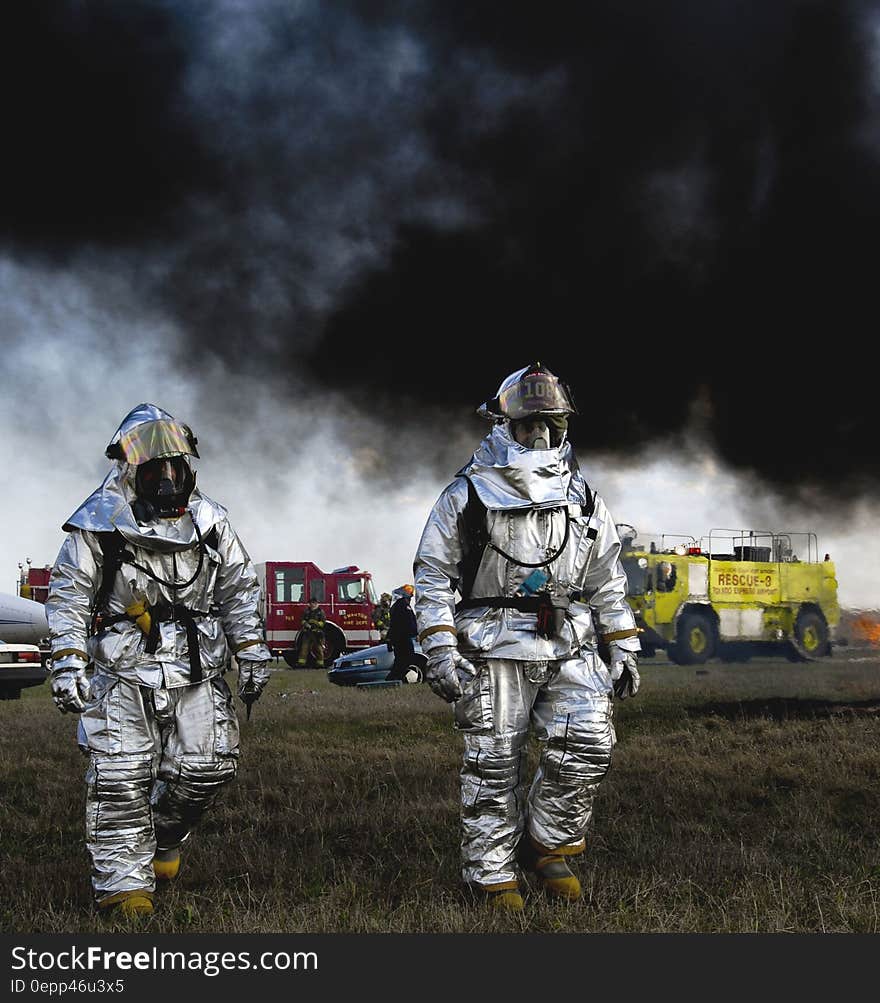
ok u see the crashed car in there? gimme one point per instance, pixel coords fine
(21, 665)
(370, 667)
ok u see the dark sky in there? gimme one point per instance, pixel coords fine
(674, 206)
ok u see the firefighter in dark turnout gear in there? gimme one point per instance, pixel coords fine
(311, 638)
(401, 632)
(381, 615)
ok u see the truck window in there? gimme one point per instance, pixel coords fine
(289, 585)
(317, 589)
(636, 576)
(666, 576)
(351, 590)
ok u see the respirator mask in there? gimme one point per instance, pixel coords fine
(540, 431)
(163, 487)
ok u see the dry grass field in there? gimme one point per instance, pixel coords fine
(742, 798)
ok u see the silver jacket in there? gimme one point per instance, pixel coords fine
(225, 589)
(526, 493)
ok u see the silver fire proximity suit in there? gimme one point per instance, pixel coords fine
(534, 504)
(157, 721)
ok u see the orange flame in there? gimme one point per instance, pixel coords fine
(866, 628)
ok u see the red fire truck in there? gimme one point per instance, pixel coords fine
(33, 583)
(347, 596)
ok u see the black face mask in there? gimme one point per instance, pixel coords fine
(161, 495)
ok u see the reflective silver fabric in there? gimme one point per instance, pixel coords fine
(160, 752)
(507, 475)
(226, 588)
(519, 488)
(557, 686)
(160, 744)
(566, 703)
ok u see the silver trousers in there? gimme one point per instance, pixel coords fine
(567, 706)
(158, 758)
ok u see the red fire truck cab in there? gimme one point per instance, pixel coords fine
(347, 596)
(33, 583)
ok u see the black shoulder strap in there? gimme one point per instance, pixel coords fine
(113, 548)
(476, 538)
(590, 507)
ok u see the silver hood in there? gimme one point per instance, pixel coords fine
(109, 508)
(507, 475)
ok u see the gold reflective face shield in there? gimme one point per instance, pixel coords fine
(155, 439)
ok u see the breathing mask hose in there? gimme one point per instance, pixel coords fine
(539, 564)
(198, 571)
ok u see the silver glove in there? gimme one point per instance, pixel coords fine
(443, 671)
(70, 685)
(624, 673)
(252, 678)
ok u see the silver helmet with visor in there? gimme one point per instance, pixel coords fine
(155, 445)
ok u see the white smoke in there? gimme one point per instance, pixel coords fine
(298, 483)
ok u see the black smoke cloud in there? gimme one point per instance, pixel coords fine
(98, 148)
(674, 206)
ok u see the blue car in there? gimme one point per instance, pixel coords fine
(370, 667)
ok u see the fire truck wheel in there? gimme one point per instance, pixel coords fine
(334, 644)
(810, 640)
(695, 639)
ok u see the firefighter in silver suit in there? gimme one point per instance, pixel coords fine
(534, 556)
(151, 595)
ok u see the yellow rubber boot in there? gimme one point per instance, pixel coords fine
(511, 901)
(551, 868)
(557, 878)
(166, 864)
(138, 902)
(504, 897)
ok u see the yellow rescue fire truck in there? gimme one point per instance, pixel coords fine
(731, 594)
